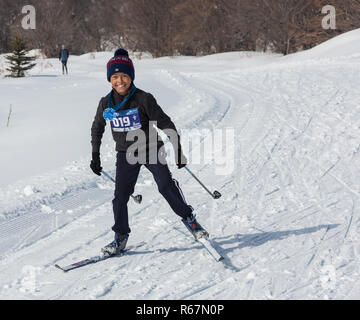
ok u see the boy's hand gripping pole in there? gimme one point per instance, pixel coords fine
(216, 194)
(137, 199)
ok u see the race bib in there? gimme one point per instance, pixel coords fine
(126, 120)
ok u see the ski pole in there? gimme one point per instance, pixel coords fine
(137, 199)
(216, 194)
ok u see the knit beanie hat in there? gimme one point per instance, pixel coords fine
(120, 63)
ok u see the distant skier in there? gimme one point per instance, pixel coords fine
(130, 112)
(63, 57)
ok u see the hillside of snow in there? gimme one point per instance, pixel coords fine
(343, 46)
(287, 224)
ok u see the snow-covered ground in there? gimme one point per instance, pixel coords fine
(289, 220)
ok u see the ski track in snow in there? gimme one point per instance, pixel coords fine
(287, 222)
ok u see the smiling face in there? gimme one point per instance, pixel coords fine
(121, 82)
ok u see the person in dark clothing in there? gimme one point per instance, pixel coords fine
(63, 57)
(131, 112)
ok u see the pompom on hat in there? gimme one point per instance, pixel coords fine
(120, 63)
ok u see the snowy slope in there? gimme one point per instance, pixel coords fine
(288, 222)
(343, 46)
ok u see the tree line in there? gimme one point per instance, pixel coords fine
(169, 27)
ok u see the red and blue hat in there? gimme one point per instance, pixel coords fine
(120, 63)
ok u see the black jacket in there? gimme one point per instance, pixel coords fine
(148, 110)
(66, 53)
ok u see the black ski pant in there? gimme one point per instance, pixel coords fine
(64, 66)
(126, 177)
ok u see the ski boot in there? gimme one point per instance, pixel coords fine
(117, 246)
(195, 228)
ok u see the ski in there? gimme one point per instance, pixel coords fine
(202, 236)
(95, 259)
(85, 262)
(210, 249)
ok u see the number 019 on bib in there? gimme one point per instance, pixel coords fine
(126, 120)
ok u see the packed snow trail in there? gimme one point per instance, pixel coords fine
(287, 223)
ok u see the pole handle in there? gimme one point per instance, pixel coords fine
(137, 199)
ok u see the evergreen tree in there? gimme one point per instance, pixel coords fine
(19, 61)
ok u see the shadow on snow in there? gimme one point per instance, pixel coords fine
(248, 240)
(258, 239)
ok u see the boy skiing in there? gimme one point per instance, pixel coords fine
(131, 112)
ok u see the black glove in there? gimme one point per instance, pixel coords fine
(181, 161)
(95, 164)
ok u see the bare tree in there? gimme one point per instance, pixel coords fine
(247, 24)
(286, 21)
(96, 26)
(195, 30)
(149, 27)
(82, 25)
(165, 27)
(53, 25)
(10, 12)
